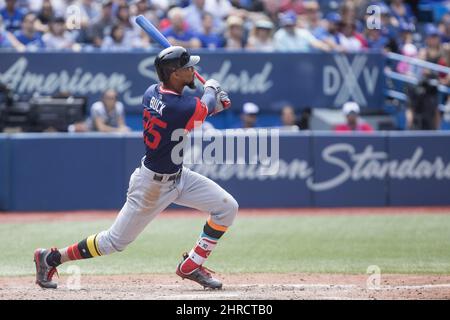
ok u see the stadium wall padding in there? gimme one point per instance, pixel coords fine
(52, 172)
(5, 183)
(425, 177)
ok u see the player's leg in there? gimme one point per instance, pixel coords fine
(145, 200)
(199, 192)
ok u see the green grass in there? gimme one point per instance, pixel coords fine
(316, 244)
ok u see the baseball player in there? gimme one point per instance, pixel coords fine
(160, 181)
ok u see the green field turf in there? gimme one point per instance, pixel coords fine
(316, 244)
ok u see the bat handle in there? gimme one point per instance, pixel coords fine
(199, 77)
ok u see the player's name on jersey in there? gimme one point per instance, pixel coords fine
(157, 105)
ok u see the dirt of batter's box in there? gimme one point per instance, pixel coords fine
(236, 287)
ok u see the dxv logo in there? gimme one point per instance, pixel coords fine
(342, 80)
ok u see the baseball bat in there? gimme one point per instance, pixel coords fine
(154, 33)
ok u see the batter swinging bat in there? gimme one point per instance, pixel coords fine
(154, 33)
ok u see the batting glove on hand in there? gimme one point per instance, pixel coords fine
(211, 83)
(223, 102)
(224, 99)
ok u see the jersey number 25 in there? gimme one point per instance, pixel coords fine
(152, 137)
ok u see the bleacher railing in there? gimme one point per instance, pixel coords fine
(412, 79)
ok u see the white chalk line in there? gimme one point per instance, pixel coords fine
(209, 294)
(249, 286)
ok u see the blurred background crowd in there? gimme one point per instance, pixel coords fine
(413, 28)
(261, 25)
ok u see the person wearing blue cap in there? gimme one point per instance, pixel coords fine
(290, 38)
(330, 34)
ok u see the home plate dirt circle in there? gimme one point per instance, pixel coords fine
(236, 287)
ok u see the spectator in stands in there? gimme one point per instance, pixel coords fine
(220, 9)
(123, 16)
(389, 28)
(89, 11)
(208, 37)
(103, 26)
(58, 38)
(178, 33)
(349, 40)
(270, 8)
(141, 38)
(401, 12)
(348, 11)
(292, 5)
(160, 6)
(406, 33)
(260, 38)
(45, 15)
(108, 115)
(249, 115)
(141, 7)
(59, 7)
(305, 116)
(444, 28)
(288, 118)
(376, 41)
(403, 67)
(293, 39)
(313, 18)
(423, 112)
(351, 112)
(446, 82)
(12, 16)
(432, 52)
(8, 40)
(28, 35)
(331, 32)
(194, 14)
(407, 48)
(234, 35)
(117, 41)
(291, 121)
(132, 31)
(445, 61)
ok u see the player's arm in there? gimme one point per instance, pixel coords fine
(214, 100)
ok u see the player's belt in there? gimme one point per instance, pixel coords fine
(160, 177)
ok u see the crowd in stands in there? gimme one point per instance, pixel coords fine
(259, 25)
(345, 26)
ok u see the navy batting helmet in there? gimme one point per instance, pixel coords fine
(171, 59)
